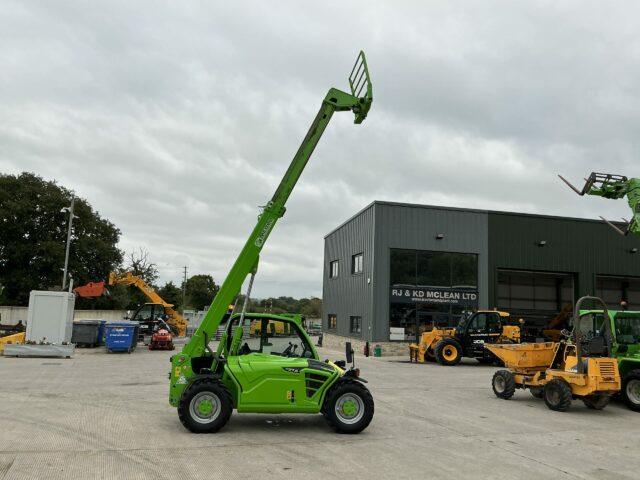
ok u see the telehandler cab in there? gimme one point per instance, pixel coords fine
(272, 372)
(624, 326)
(579, 367)
(447, 346)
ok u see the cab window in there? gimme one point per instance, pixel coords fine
(478, 323)
(627, 329)
(274, 337)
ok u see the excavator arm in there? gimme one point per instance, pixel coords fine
(127, 278)
(358, 102)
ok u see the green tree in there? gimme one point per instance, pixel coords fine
(172, 294)
(200, 291)
(33, 238)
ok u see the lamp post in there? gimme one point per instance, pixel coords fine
(68, 209)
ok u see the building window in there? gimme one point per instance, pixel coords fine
(332, 321)
(355, 325)
(429, 289)
(357, 263)
(333, 269)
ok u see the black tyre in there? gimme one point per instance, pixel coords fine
(557, 395)
(504, 385)
(448, 352)
(348, 406)
(596, 402)
(205, 406)
(537, 392)
(631, 390)
(429, 357)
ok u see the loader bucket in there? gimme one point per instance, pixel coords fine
(525, 355)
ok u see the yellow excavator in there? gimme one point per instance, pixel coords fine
(156, 308)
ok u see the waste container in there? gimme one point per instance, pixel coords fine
(86, 333)
(377, 351)
(121, 336)
(101, 331)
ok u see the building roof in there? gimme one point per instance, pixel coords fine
(460, 209)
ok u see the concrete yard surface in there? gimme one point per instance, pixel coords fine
(106, 416)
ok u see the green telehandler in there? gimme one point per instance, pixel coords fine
(259, 370)
(624, 329)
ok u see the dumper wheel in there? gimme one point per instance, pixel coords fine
(205, 406)
(448, 352)
(348, 406)
(596, 402)
(504, 385)
(536, 392)
(631, 390)
(557, 395)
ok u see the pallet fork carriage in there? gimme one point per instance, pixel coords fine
(614, 187)
(259, 376)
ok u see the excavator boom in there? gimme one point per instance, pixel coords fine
(127, 278)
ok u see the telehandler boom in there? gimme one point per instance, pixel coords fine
(206, 386)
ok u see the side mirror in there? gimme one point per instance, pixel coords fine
(348, 352)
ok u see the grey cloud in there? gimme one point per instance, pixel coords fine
(177, 121)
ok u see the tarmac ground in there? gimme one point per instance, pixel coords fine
(106, 416)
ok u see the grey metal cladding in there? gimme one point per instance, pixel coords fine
(585, 247)
(415, 227)
(349, 295)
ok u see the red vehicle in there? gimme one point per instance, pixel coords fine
(161, 340)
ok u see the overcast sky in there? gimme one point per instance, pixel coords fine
(176, 120)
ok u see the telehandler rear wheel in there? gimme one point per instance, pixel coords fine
(596, 402)
(557, 395)
(448, 352)
(205, 406)
(504, 385)
(348, 407)
(631, 390)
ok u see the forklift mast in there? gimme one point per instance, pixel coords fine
(358, 102)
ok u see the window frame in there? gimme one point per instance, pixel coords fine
(359, 324)
(332, 316)
(337, 272)
(354, 262)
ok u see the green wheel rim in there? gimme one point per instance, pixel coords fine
(205, 407)
(349, 408)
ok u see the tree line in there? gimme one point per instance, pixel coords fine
(33, 232)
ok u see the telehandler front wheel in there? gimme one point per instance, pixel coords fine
(205, 406)
(448, 352)
(348, 407)
(631, 390)
(557, 395)
(504, 385)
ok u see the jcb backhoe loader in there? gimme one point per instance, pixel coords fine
(262, 374)
(447, 346)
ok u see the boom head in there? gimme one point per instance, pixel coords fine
(361, 88)
(602, 184)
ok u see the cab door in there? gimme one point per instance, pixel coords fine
(482, 327)
(270, 367)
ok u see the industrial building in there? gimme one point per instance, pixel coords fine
(393, 270)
